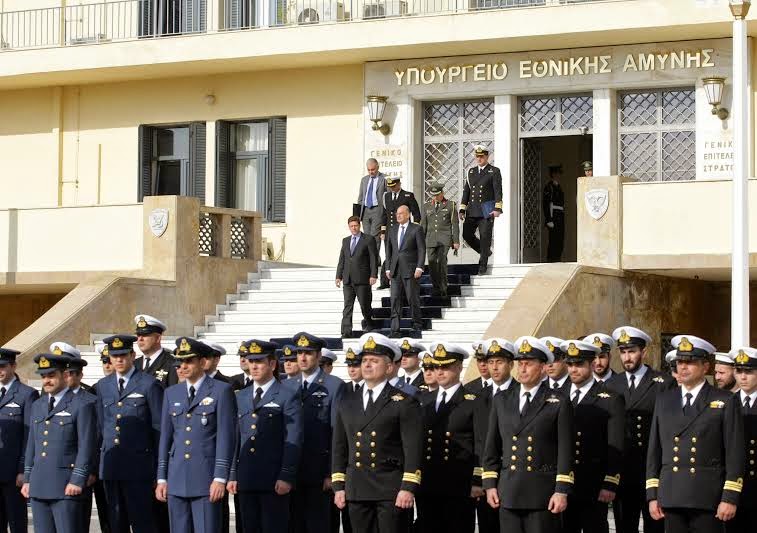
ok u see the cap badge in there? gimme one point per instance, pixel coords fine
(440, 351)
(742, 358)
(243, 348)
(287, 350)
(406, 345)
(303, 341)
(142, 323)
(494, 347)
(685, 345)
(597, 342)
(255, 348)
(370, 344)
(550, 346)
(573, 351)
(624, 337)
(479, 349)
(105, 351)
(349, 354)
(57, 351)
(117, 343)
(44, 363)
(184, 346)
(525, 347)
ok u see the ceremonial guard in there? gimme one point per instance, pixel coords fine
(269, 446)
(599, 417)
(601, 363)
(588, 168)
(155, 360)
(62, 443)
(451, 480)
(197, 438)
(411, 363)
(442, 229)
(377, 445)
(745, 360)
(480, 205)
(352, 360)
(639, 385)
(129, 405)
(553, 207)
(557, 371)
(484, 380)
(16, 401)
(695, 464)
(320, 394)
(393, 198)
(528, 456)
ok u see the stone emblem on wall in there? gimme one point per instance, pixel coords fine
(158, 221)
(597, 201)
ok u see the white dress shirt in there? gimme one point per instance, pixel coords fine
(450, 393)
(58, 397)
(126, 377)
(376, 393)
(412, 376)
(694, 393)
(560, 382)
(310, 379)
(196, 384)
(498, 388)
(582, 390)
(640, 373)
(605, 378)
(265, 386)
(523, 392)
(752, 397)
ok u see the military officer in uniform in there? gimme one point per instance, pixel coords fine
(398, 382)
(695, 463)
(197, 437)
(484, 380)
(528, 456)
(155, 360)
(352, 360)
(394, 197)
(61, 445)
(745, 360)
(640, 386)
(452, 468)
(269, 446)
(411, 364)
(75, 371)
(557, 370)
(725, 375)
(480, 205)
(442, 229)
(243, 379)
(588, 168)
(328, 358)
(129, 404)
(429, 375)
(377, 445)
(601, 363)
(599, 418)
(553, 207)
(212, 362)
(16, 401)
(320, 394)
(291, 366)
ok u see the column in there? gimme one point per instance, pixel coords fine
(605, 138)
(210, 163)
(506, 227)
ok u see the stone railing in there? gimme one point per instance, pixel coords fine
(229, 233)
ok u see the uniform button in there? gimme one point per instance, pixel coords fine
(751, 452)
(512, 467)
(254, 415)
(579, 433)
(675, 469)
(639, 443)
(357, 454)
(253, 426)
(529, 468)
(446, 441)
(515, 448)
(676, 439)
(578, 443)
(638, 418)
(373, 465)
(189, 428)
(751, 461)
(675, 459)
(751, 472)
(187, 442)
(186, 456)
(72, 465)
(638, 435)
(693, 470)
(118, 428)
(693, 450)
(428, 458)
(252, 450)
(359, 434)
(751, 441)
(120, 404)
(252, 438)
(530, 449)
(530, 438)
(638, 426)
(446, 450)
(448, 434)
(373, 454)
(373, 433)
(693, 439)
(675, 449)
(578, 452)
(430, 431)
(373, 444)
(515, 438)
(117, 441)
(693, 460)
(529, 458)
(189, 415)
(44, 443)
(45, 432)
(577, 461)
(357, 444)
(513, 458)
(428, 449)
(357, 464)
(47, 422)
(44, 454)
(446, 458)
(118, 416)
(430, 440)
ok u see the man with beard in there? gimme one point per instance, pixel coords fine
(725, 377)
(601, 363)
(639, 385)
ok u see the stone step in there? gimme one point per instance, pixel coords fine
(308, 324)
(325, 273)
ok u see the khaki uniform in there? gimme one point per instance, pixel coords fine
(442, 228)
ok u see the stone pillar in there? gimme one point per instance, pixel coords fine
(505, 249)
(210, 164)
(600, 222)
(605, 137)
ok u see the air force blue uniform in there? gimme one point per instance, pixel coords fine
(269, 449)
(130, 424)
(196, 447)
(60, 449)
(15, 413)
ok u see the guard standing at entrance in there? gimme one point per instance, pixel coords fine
(480, 205)
(553, 204)
(442, 231)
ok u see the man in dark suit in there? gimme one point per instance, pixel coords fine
(355, 273)
(155, 360)
(393, 198)
(405, 257)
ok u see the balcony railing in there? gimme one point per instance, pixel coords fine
(123, 20)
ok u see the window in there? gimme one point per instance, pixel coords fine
(172, 160)
(251, 166)
(656, 134)
(171, 17)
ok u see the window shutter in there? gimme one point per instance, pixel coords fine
(233, 14)
(197, 160)
(144, 178)
(194, 14)
(278, 169)
(223, 164)
(146, 17)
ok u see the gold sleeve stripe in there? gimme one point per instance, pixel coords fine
(478, 471)
(564, 479)
(490, 474)
(613, 479)
(734, 486)
(337, 476)
(463, 207)
(498, 205)
(411, 478)
(653, 483)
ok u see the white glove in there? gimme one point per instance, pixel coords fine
(550, 225)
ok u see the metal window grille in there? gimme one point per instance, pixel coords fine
(656, 137)
(450, 131)
(208, 235)
(542, 116)
(240, 229)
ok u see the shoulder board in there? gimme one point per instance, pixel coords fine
(603, 395)
(659, 379)
(398, 397)
(470, 396)
(717, 404)
(553, 399)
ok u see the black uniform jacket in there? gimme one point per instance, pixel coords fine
(599, 419)
(161, 368)
(696, 461)
(749, 417)
(530, 457)
(377, 453)
(480, 187)
(390, 208)
(451, 460)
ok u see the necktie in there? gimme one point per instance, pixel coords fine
(402, 236)
(51, 405)
(304, 387)
(747, 401)
(687, 405)
(247, 382)
(258, 396)
(352, 244)
(121, 382)
(370, 400)
(356, 387)
(147, 364)
(632, 387)
(407, 380)
(576, 397)
(526, 404)
(369, 194)
(443, 402)
(191, 394)
(2, 393)
(394, 197)
(555, 385)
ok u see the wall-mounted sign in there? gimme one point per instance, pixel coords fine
(391, 159)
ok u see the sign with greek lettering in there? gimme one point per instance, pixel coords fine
(391, 159)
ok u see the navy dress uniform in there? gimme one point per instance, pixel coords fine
(451, 465)
(561, 383)
(553, 207)
(16, 401)
(268, 449)
(599, 417)
(696, 452)
(320, 395)
(605, 343)
(442, 228)
(197, 439)
(62, 442)
(482, 195)
(745, 360)
(377, 448)
(639, 394)
(128, 412)
(528, 455)
(161, 365)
